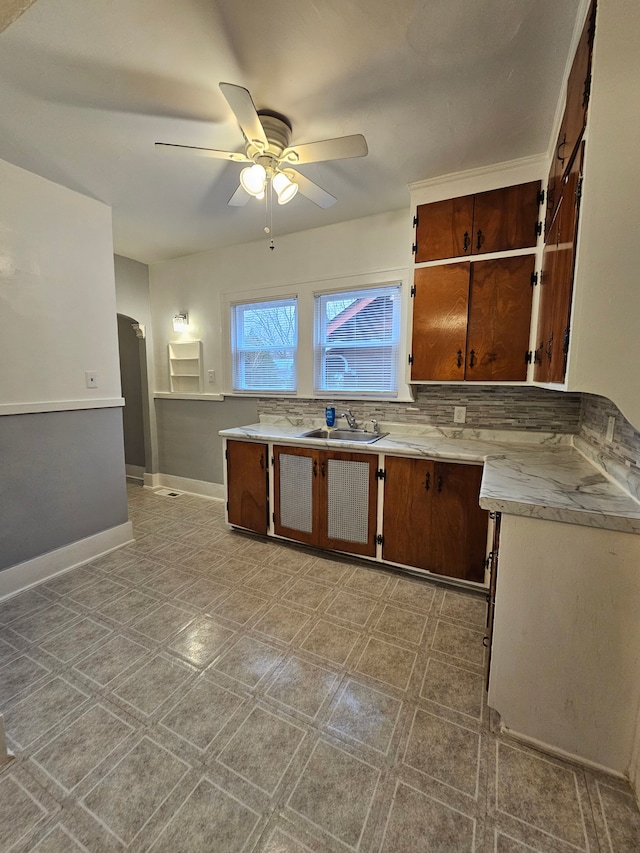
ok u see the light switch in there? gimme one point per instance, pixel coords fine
(212, 376)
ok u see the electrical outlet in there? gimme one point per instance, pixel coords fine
(459, 414)
(91, 378)
(212, 376)
(611, 423)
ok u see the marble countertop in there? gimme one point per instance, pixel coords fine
(539, 475)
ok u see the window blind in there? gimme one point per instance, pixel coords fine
(264, 340)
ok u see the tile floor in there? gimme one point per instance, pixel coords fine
(201, 690)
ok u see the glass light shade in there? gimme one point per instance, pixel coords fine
(180, 322)
(285, 188)
(252, 179)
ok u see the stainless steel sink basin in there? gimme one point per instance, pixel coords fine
(359, 435)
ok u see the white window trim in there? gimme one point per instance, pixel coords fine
(305, 293)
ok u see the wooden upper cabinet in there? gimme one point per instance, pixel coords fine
(440, 314)
(444, 229)
(556, 285)
(495, 221)
(574, 119)
(471, 320)
(247, 485)
(499, 319)
(578, 91)
(506, 219)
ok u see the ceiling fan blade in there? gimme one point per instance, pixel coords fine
(202, 152)
(327, 149)
(239, 198)
(312, 191)
(245, 111)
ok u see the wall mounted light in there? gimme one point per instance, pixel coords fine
(180, 322)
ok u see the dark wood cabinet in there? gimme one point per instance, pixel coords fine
(574, 119)
(247, 485)
(495, 221)
(432, 519)
(556, 282)
(471, 320)
(326, 498)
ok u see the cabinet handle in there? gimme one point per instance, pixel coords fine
(480, 240)
(439, 487)
(472, 358)
(550, 347)
(322, 468)
(485, 642)
(262, 461)
(427, 481)
(466, 242)
(459, 359)
(315, 467)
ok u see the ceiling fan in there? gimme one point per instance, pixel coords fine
(267, 135)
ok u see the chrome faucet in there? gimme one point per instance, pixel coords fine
(351, 420)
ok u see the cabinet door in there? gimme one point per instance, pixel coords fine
(557, 282)
(506, 219)
(578, 91)
(458, 524)
(348, 502)
(247, 485)
(440, 314)
(444, 229)
(406, 526)
(499, 319)
(296, 471)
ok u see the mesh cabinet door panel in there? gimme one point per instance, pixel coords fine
(348, 500)
(296, 492)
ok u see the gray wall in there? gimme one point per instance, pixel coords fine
(62, 479)
(188, 440)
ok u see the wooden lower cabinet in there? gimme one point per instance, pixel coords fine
(248, 485)
(432, 519)
(326, 498)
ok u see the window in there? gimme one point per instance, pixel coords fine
(357, 333)
(264, 339)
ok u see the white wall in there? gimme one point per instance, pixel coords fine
(376, 248)
(605, 350)
(57, 297)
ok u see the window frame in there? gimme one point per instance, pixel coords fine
(320, 346)
(234, 350)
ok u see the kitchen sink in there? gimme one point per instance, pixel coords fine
(359, 435)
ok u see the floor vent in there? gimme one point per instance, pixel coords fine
(167, 493)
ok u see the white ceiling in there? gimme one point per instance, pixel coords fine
(436, 86)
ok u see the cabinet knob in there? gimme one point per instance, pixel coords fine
(466, 242)
(459, 358)
(315, 467)
(427, 481)
(322, 468)
(480, 240)
(439, 487)
(472, 358)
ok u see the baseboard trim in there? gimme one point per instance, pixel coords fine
(134, 472)
(560, 753)
(202, 488)
(25, 575)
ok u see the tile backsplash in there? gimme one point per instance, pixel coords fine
(594, 418)
(488, 407)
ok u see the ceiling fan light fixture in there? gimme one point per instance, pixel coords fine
(285, 188)
(253, 179)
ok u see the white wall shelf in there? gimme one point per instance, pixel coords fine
(185, 367)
